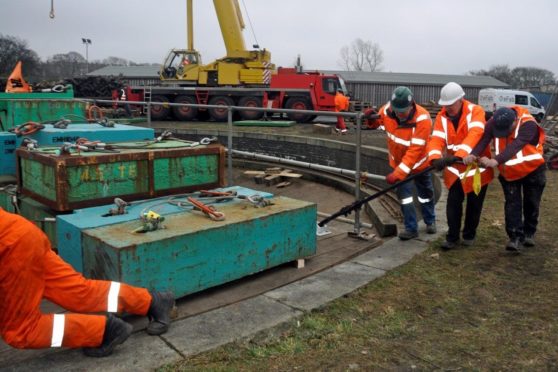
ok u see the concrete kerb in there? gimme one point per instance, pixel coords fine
(246, 319)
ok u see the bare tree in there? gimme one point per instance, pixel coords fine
(361, 55)
(519, 77)
(12, 50)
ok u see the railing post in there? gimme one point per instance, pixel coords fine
(229, 146)
(357, 172)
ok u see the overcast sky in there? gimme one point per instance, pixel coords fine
(427, 36)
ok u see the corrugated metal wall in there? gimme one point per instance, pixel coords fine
(378, 94)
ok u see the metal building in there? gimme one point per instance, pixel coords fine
(376, 87)
(369, 87)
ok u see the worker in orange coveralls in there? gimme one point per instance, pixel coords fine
(341, 104)
(408, 128)
(31, 271)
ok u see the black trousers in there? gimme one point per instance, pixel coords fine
(454, 212)
(523, 199)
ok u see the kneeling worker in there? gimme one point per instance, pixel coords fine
(518, 145)
(31, 271)
(408, 128)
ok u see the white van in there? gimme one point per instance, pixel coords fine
(492, 99)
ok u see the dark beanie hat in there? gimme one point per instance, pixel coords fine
(503, 121)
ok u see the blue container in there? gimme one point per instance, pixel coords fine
(70, 227)
(50, 136)
(193, 253)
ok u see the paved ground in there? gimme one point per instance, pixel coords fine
(244, 319)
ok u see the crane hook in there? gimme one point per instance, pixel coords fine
(51, 14)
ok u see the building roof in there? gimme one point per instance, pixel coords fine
(349, 76)
(418, 79)
(151, 71)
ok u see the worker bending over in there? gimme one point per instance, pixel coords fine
(31, 271)
(457, 129)
(408, 128)
(518, 145)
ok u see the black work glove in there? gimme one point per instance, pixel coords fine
(440, 164)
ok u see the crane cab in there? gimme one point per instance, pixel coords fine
(181, 64)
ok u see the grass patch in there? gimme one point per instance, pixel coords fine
(471, 308)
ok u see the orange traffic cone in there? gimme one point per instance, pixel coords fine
(16, 83)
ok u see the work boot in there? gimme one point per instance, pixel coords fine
(116, 332)
(528, 241)
(468, 242)
(431, 229)
(447, 245)
(159, 312)
(406, 235)
(513, 245)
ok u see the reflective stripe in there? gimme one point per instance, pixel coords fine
(462, 175)
(408, 200)
(404, 168)
(475, 124)
(453, 147)
(421, 200)
(439, 133)
(419, 163)
(496, 145)
(57, 330)
(434, 152)
(398, 140)
(422, 117)
(418, 141)
(521, 159)
(381, 127)
(113, 297)
(465, 148)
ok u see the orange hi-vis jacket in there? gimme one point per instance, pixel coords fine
(31, 271)
(459, 143)
(526, 160)
(406, 142)
(341, 102)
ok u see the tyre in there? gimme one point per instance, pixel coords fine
(160, 112)
(184, 113)
(220, 114)
(250, 101)
(539, 118)
(299, 103)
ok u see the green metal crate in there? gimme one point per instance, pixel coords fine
(67, 182)
(20, 108)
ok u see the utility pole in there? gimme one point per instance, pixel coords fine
(87, 42)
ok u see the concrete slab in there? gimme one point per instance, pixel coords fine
(215, 328)
(391, 254)
(326, 286)
(140, 352)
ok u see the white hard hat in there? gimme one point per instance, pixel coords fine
(450, 93)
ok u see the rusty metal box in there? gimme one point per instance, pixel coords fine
(137, 171)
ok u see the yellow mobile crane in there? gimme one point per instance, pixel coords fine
(240, 67)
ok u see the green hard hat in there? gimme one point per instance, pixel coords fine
(401, 99)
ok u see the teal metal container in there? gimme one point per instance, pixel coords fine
(50, 136)
(20, 108)
(194, 253)
(67, 182)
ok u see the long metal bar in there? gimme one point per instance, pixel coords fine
(346, 220)
(296, 163)
(234, 108)
(358, 204)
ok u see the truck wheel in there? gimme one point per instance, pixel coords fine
(184, 113)
(539, 118)
(250, 101)
(160, 112)
(220, 114)
(299, 103)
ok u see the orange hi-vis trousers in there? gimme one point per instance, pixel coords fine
(31, 271)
